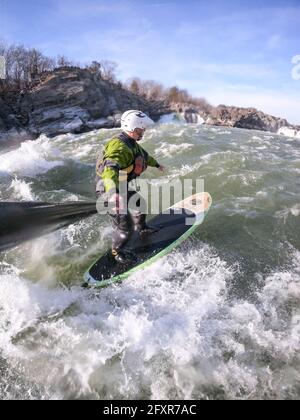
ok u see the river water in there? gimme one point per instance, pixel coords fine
(218, 318)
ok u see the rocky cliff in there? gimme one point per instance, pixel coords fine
(230, 116)
(70, 100)
(248, 118)
(76, 100)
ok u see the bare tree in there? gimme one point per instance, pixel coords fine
(38, 63)
(95, 68)
(149, 89)
(154, 91)
(134, 85)
(173, 94)
(3, 47)
(15, 58)
(63, 61)
(108, 70)
(23, 65)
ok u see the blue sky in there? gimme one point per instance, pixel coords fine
(235, 52)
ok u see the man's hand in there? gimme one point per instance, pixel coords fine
(162, 168)
(118, 201)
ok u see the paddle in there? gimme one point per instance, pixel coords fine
(20, 222)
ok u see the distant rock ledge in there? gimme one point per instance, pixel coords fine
(249, 118)
(245, 118)
(74, 100)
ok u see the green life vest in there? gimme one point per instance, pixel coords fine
(134, 170)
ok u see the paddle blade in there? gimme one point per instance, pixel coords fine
(20, 222)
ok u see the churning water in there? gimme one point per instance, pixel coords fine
(217, 318)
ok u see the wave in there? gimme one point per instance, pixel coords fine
(168, 150)
(217, 319)
(31, 158)
(154, 338)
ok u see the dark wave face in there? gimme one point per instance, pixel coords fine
(216, 319)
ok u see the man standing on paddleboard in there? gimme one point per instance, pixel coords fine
(124, 154)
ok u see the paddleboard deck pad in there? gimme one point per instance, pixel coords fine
(173, 227)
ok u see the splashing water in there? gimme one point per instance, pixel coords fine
(21, 191)
(217, 318)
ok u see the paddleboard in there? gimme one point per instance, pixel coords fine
(173, 227)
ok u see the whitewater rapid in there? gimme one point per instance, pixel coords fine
(217, 318)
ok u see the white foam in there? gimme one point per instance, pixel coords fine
(21, 190)
(144, 320)
(295, 210)
(168, 150)
(168, 119)
(31, 158)
(262, 194)
(83, 152)
(289, 132)
(285, 213)
(224, 132)
(172, 330)
(179, 133)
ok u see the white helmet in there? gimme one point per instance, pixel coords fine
(133, 119)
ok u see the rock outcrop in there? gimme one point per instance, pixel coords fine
(71, 100)
(75, 100)
(230, 116)
(248, 118)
